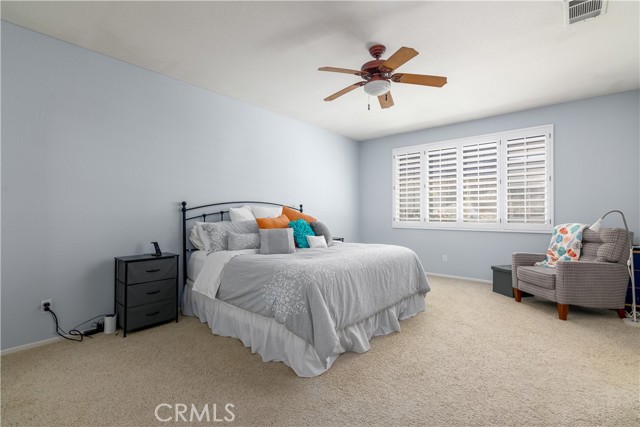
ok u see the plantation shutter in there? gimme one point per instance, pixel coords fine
(407, 186)
(528, 188)
(480, 182)
(501, 182)
(442, 188)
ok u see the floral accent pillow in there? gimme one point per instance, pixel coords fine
(565, 245)
(239, 241)
(215, 234)
(301, 229)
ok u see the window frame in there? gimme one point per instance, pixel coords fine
(501, 225)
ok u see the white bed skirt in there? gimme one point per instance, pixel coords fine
(275, 343)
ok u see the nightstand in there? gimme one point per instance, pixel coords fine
(146, 290)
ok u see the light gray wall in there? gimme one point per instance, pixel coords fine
(97, 154)
(596, 149)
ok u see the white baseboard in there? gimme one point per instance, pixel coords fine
(448, 276)
(35, 344)
(28, 346)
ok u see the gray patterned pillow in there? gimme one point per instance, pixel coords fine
(239, 241)
(276, 241)
(322, 230)
(217, 233)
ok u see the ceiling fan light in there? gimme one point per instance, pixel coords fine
(377, 87)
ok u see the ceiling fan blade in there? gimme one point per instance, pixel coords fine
(343, 91)
(401, 56)
(342, 70)
(420, 79)
(386, 100)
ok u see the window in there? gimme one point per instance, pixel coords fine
(407, 177)
(528, 179)
(500, 182)
(480, 182)
(442, 186)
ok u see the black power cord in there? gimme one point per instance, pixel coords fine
(93, 324)
(71, 333)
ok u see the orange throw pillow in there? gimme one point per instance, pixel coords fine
(295, 215)
(280, 222)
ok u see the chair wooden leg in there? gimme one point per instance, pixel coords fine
(563, 311)
(517, 294)
(621, 313)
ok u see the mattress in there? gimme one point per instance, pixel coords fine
(331, 300)
(195, 264)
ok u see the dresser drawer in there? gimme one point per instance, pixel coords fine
(147, 271)
(145, 293)
(148, 314)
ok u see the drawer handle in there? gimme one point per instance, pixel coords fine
(153, 314)
(154, 292)
(155, 270)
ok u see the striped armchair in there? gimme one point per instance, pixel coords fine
(598, 280)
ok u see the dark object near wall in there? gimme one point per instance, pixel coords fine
(146, 290)
(156, 247)
(502, 280)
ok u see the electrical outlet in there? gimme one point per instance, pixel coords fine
(444, 258)
(42, 305)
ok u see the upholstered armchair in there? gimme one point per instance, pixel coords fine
(598, 280)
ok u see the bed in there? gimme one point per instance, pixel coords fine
(303, 308)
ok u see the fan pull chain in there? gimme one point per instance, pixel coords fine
(368, 103)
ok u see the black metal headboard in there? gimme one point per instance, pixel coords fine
(203, 216)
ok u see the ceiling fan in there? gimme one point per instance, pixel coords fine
(378, 75)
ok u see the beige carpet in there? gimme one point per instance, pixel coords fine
(473, 358)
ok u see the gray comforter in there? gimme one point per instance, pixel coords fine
(316, 292)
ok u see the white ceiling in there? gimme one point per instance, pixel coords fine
(499, 57)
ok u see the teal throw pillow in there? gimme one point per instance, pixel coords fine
(301, 229)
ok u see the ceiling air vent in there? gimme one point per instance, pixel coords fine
(579, 10)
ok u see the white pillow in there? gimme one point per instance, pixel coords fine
(317, 241)
(266, 211)
(199, 237)
(196, 241)
(243, 213)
